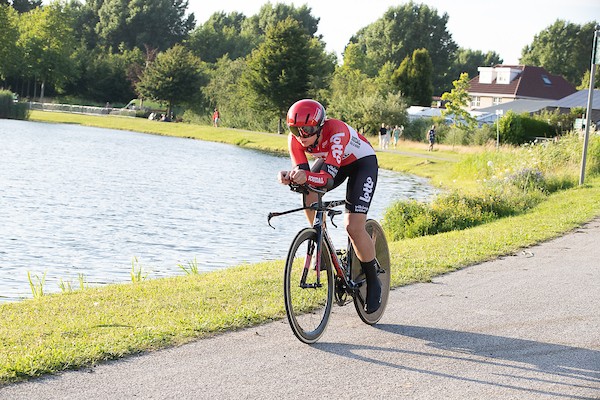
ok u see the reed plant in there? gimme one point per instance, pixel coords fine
(67, 286)
(36, 284)
(190, 268)
(137, 274)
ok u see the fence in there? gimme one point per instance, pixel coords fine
(70, 108)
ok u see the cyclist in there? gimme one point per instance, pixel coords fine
(345, 154)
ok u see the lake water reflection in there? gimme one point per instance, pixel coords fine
(79, 200)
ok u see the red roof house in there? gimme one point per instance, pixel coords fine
(503, 83)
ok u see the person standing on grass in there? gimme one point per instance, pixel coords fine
(216, 117)
(431, 137)
(382, 136)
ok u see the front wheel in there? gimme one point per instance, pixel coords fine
(308, 293)
(382, 254)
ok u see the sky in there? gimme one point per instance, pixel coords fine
(503, 26)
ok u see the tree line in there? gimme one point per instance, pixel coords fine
(250, 67)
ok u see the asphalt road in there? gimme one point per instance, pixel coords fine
(525, 326)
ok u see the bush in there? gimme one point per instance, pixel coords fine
(456, 211)
(518, 129)
(10, 109)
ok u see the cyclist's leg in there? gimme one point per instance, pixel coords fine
(361, 241)
(360, 190)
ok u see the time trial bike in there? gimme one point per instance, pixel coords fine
(316, 274)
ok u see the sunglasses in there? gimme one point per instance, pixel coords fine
(304, 131)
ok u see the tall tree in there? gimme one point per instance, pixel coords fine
(563, 48)
(22, 6)
(414, 78)
(221, 34)
(102, 76)
(46, 41)
(355, 58)
(270, 15)
(404, 29)
(155, 23)
(9, 33)
(176, 76)
(468, 61)
(286, 67)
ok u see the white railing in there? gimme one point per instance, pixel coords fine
(70, 108)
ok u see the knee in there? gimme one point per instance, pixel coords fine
(354, 230)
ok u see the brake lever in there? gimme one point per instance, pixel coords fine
(333, 213)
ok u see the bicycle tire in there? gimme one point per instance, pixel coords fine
(382, 254)
(307, 309)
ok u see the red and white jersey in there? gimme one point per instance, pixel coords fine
(340, 145)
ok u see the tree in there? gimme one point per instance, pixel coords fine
(414, 78)
(404, 29)
(23, 6)
(224, 91)
(563, 49)
(468, 61)
(157, 23)
(9, 34)
(457, 101)
(286, 67)
(364, 102)
(220, 35)
(102, 76)
(46, 42)
(270, 15)
(355, 58)
(176, 76)
(585, 80)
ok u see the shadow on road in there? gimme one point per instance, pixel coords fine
(515, 359)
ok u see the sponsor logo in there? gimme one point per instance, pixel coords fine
(367, 190)
(337, 149)
(359, 208)
(315, 179)
(331, 170)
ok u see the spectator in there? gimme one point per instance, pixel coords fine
(216, 117)
(382, 136)
(431, 137)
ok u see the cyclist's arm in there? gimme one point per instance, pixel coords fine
(319, 178)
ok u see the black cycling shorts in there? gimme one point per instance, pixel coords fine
(362, 180)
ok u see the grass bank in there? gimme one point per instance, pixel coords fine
(62, 331)
(409, 157)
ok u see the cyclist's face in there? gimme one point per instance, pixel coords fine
(306, 142)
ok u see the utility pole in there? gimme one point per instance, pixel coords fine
(595, 61)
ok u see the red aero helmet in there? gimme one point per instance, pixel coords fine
(306, 113)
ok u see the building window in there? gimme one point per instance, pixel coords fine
(497, 100)
(475, 101)
(546, 80)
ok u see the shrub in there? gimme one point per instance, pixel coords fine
(10, 109)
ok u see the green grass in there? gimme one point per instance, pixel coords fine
(83, 327)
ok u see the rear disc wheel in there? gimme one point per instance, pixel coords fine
(382, 254)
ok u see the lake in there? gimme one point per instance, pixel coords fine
(79, 200)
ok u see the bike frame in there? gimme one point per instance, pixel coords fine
(341, 271)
